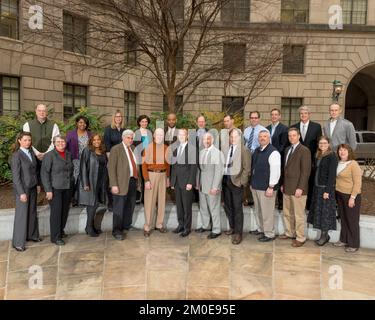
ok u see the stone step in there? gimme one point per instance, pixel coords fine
(77, 222)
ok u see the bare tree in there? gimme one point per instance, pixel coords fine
(181, 44)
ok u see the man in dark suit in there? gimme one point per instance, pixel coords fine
(183, 177)
(297, 168)
(171, 130)
(279, 139)
(199, 133)
(310, 133)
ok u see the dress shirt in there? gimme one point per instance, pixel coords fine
(301, 125)
(170, 133)
(275, 167)
(27, 152)
(227, 163)
(129, 160)
(294, 146)
(247, 133)
(55, 132)
(181, 148)
(273, 128)
(332, 125)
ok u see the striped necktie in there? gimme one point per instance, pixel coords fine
(251, 138)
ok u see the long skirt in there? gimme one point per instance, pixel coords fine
(322, 213)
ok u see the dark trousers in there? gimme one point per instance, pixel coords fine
(311, 187)
(184, 203)
(279, 197)
(91, 211)
(349, 219)
(233, 208)
(123, 208)
(25, 219)
(59, 206)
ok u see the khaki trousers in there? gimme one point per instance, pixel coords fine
(294, 216)
(264, 208)
(155, 195)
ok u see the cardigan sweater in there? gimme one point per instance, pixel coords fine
(349, 180)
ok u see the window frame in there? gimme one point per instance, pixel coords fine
(233, 17)
(72, 37)
(73, 95)
(2, 76)
(294, 10)
(127, 102)
(16, 19)
(229, 67)
(351, 13)
(286, 69)
(290, 106)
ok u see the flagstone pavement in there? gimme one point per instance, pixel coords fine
(166, 266)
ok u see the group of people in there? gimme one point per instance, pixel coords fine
(303, 167)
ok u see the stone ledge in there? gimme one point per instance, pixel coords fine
(77, 222)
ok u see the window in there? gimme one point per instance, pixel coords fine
(368, 137)
(131, 49)
(75, 32)
(179, 61)
(75, 97)
(293, 59)
(178, 100)
(9, 95)
(354, 11)
(236, 11)
(233, 105)
(294, 11)
(289, 110)
(9, 18)
(177, 9)
(234, 57)
(130, 103)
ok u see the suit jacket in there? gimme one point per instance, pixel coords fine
(241, 168)
(210, 173)
(314, 132)
(119, 169)
(344, 132)
(24, 172)
(297, 170)
(56, 172)
(170, 140)
(279, 137)
(184, 167)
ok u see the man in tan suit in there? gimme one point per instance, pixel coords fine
(236, 177)
(295, 188)
(123, 180)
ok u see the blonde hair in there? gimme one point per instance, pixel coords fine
(113, 124)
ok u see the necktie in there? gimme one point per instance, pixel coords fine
(272, 131)
(135, 172)
(290, 154)
(251, 138)
(180, 150)
(229, 164)
(303, 132)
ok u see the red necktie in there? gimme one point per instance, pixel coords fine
(135, 172)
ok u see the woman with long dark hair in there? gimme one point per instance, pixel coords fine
(93, 181)
(322, 213)
(26, 187)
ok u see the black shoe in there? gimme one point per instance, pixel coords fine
(20, 249)
(213, 235)
(201, 230)
(119, 237)
(60, 242)
(178, 230)
(98, 231)
(266, 239)
(35, 240)
(64, 235)
(184, 234)
(92, 233)
(256, 233)
(322, 241)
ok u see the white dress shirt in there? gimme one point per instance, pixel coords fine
(27, 152)
(55, 132)
(301, 129)
(273, 128)
(129, 160)
(275, 167)
(170, 133)
(228, 158)
(332, 125)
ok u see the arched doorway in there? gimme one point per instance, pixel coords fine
(360, 99)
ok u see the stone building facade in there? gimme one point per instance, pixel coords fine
(33, 69)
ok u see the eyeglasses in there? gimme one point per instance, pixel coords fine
(254, 117)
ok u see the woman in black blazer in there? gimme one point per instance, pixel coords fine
(93, 180)
(57, 179)
(26, 186)
(322, 213)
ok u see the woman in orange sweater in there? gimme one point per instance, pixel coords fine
(348, 197)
